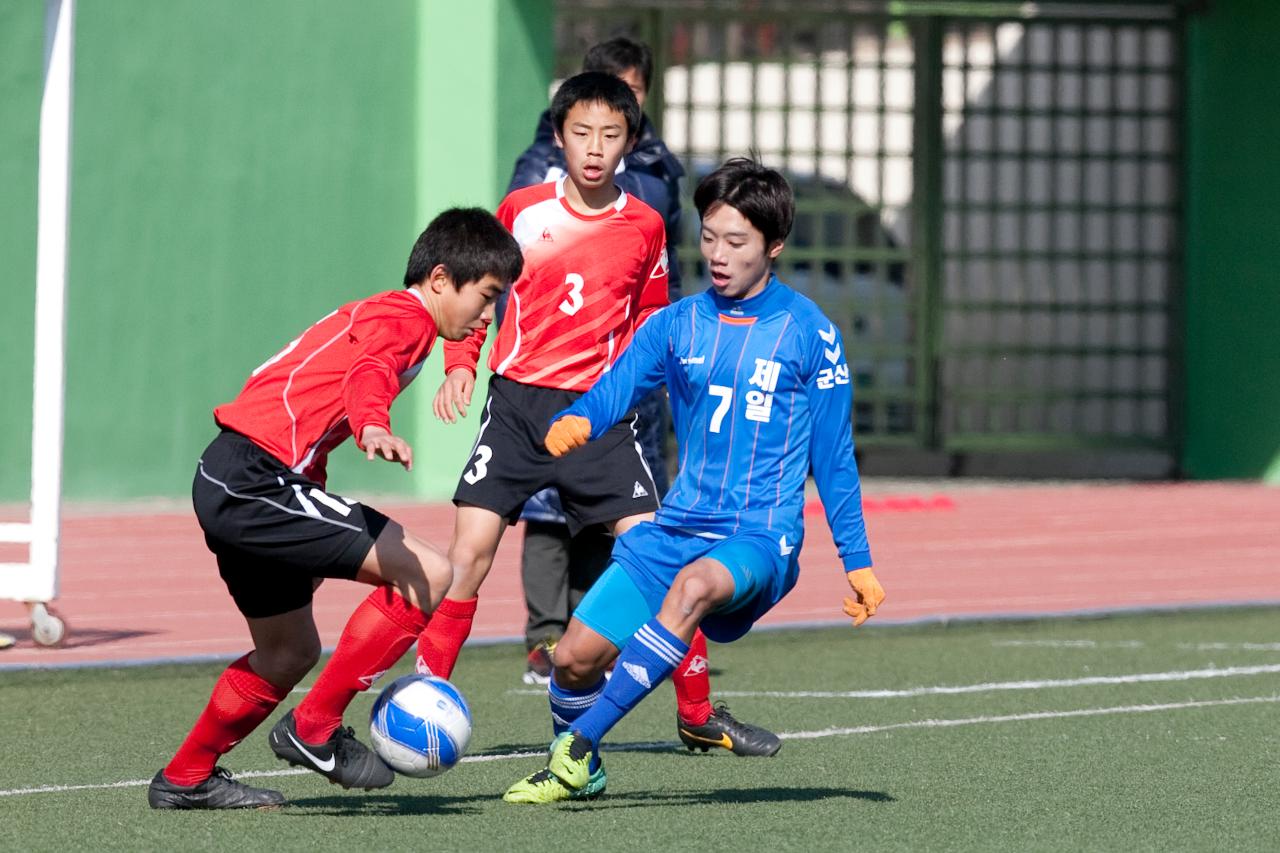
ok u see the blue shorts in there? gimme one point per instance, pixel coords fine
(647, 559)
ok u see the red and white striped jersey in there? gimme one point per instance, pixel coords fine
(333, 380)
(588, 284)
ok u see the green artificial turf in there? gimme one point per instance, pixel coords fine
(1042, 735)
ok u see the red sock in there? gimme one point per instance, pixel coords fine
(377, 634)
(693, 683)
(241, 700)
(450, 626)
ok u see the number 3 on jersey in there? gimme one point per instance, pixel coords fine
(573, 302)
(480, 468)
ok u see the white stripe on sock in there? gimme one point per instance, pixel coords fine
(659, 646)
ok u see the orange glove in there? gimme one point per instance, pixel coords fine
(867, 595)
(566, 434)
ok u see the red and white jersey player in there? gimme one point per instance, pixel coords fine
(587, 285)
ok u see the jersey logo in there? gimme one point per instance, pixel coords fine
(367, 680)
(696, 666)
(660, 268)
(546, 236)
(830, 377)
(832, 350)
(765, 378)
(639, 673)
(783, 548)
(639, 491)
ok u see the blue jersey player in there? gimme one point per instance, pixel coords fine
(760, 394)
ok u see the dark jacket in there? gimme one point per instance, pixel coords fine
(650, 172)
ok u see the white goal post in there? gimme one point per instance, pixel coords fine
(36, 580)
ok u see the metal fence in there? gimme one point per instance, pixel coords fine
(987, 205)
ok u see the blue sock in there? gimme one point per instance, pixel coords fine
(567, 705)
(651, 656)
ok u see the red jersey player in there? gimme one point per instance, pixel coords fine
(260, 497)
(595, 270)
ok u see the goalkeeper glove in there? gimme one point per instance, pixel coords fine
(867, 595)
(567, 433)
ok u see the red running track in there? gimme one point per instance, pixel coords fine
(142, 587)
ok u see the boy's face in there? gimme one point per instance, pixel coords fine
(467, 308)
(594, 138)
(635, 81)
(736, 256)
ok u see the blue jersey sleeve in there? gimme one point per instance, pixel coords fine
(835, 471)
(640, 369)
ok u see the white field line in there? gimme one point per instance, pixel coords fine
(1034, 715)
(1231, 647)
(989, 687)
(821, 733)
(132, 783)
(1070, 644)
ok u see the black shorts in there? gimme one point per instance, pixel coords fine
(606, 480)
(273, 531)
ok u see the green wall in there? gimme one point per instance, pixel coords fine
(21, 58)
(240, 169)
(1232, 417)
(480, 92)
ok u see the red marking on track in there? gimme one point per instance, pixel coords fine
(143, 586)
(911, 503)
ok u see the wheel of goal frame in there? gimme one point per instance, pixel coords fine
(47, 628)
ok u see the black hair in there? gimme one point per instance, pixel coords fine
(596, 87)
(759, 193)
(619, 55)
(470, 243)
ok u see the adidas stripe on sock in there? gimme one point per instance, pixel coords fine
(651, 656)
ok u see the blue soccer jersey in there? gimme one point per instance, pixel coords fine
(760, 394)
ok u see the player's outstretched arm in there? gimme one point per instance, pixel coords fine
(454, 395)
(831, 441)
(376, 441)
(639, 370)
(567, 433)
(867, 595)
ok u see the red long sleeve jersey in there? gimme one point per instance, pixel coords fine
(333, 380)
(588, 284)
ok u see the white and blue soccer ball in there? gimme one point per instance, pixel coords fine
(420, 725)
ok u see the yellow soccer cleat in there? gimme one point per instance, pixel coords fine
(567, 776)
(541, 787)
(570, 760)
(544, 787)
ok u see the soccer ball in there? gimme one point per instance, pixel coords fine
(420, 725)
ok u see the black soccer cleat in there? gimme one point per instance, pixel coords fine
(219, 791)
(341, 759)
(724, 730)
